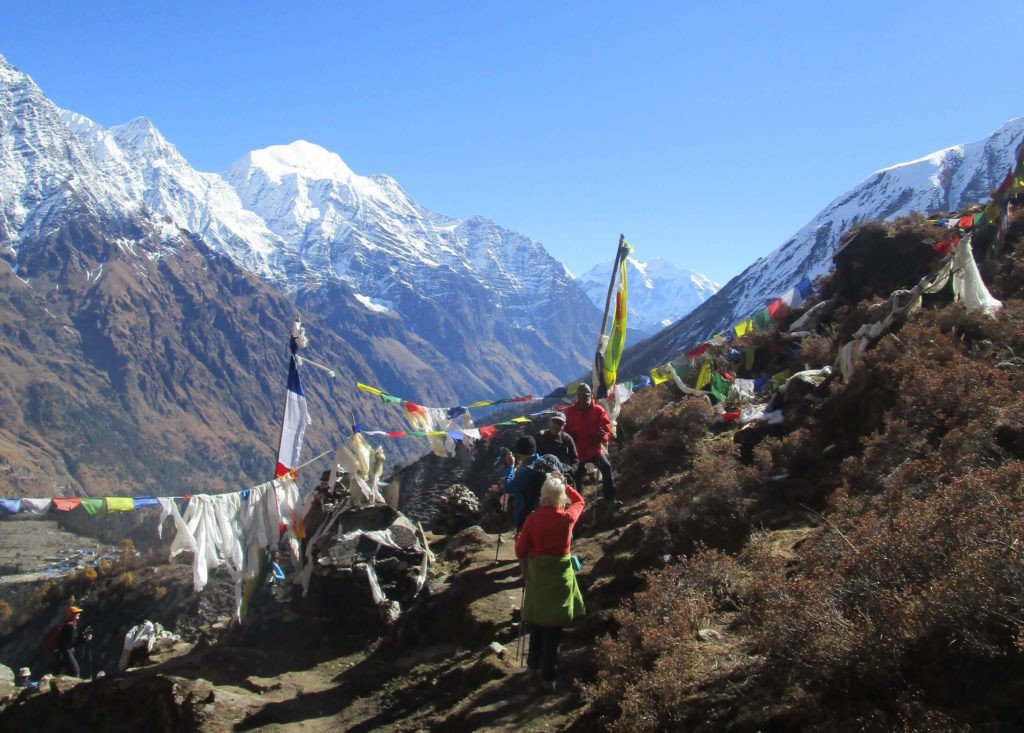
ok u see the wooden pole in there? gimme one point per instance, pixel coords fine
(595, 377)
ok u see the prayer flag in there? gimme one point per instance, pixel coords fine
(296, 417)
(414, 408)
(11, 506)
(777, 309)
(120, 504)
(617, 338)
(966, 222)
(488, 431)
(704, 377)
(66, 504)
(720, 387)
(743, 327)
(144, 501)
(762, 320)
(661, 374)
(367, 388)
(93, 506)
(697, 350)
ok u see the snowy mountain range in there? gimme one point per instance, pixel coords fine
(300, 219)
(947, 180)
(660, 293)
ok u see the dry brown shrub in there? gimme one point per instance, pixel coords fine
(913, 593)
(126, 578)
(707, 504)
(818, 351)
(647, 672)
(668, 442)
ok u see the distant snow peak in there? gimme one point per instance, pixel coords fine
(660, 292)
(301, 158)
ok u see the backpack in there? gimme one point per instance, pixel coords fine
(51, 638)
(549, 463)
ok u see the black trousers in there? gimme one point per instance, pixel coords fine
(544, 641)
(604, 465)
(67, 664)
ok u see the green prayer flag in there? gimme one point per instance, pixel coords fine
(389, 398)
(720, 387)
(94, 506)
(762, 320)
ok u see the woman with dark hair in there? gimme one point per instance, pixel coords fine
(553, 599)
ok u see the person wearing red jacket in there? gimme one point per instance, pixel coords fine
(591, 429)
(553, 597)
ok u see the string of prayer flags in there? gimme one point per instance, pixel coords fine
(452, 412)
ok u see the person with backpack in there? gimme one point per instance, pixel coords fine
(553, 599)
(591, 429)
(68, 640)
(558, 443)
(523, 479)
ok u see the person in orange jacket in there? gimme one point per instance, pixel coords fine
(591, 429)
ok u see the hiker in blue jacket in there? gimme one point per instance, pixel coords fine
(522, 481)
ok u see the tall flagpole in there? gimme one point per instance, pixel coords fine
(601, 338)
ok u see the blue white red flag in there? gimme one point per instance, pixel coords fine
(296, 418)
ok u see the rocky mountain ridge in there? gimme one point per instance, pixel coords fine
(943, 181)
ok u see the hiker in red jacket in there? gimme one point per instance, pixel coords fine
(591, 429)
(553, 599)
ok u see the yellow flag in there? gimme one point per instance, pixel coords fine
(704, 377)
(661, 374)
(120, 504)
(367, 388)
(744, 327)
(617, 338)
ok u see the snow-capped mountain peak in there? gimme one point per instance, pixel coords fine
(300, 158)
(660, 292)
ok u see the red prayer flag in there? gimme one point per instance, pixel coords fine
(944, 247)
(524, 398)
(777, 309)
(413, 407)
(731, 416)
(966, 222)
(697, 351)
(488, 431)
(397, 434)
(66, 505)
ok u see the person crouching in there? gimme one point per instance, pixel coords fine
(553, 599)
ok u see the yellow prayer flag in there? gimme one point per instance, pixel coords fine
(782, 376)
(744, 327)
(120, 504)
(520, 419)
(704, 377)
(661, 374)
(481, 403)
(367, 388)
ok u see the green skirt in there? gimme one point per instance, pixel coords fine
(553, 597)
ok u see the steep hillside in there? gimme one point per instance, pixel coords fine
(852, 566)
(947, 180)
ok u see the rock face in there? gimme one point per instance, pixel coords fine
(944, 181)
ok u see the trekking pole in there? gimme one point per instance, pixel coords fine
(520, 654)
(497, 547)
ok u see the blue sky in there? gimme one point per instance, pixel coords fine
(707, 133)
